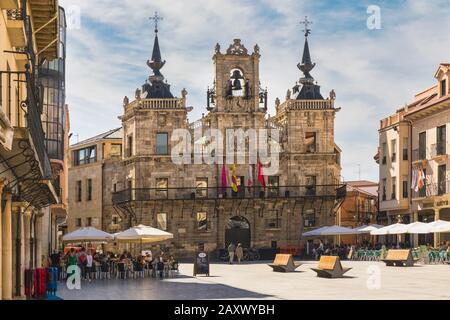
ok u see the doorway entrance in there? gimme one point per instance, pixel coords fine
(237, 231)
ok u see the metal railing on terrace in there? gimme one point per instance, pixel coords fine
(212, 193)
(438, 149)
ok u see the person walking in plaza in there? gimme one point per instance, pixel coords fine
(231, 250)
(239, 253)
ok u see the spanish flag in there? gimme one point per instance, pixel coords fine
(234, 184)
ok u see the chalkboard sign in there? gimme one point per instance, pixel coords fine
(201, 263)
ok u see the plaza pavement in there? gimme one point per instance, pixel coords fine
(258, 281)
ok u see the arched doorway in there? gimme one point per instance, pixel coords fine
(237, 231)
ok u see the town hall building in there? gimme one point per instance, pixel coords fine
(192, 200)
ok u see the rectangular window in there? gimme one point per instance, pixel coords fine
(115, 220)
(162, 143)
(162, 186)
(78, 222)
(443, 87)
(383, 161)
(79, 191)
(129, 151)
(201, 187)
(161, 221)
(310, 142)
(405, 188)
(422, 145)
(273, 186)
(441, 140)
(309, 219)
(115, 187)
(384, 189)
(89, 222)
(89, 189)
(116, 150)
(442, 183)
(394, 188)
(273, 220)
(202, 221)
(85, 156)
(393, 150)
(405, 148)
(310, 185)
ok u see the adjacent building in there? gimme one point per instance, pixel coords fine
(31, 100)
(191, 200)
(415, 187)
(359, 208)
(91, 176)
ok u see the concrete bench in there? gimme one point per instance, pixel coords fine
(330, 267)
(284, 263)
(399, 258)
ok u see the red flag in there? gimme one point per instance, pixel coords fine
(224, 178)
(250, 178)
(261, 179)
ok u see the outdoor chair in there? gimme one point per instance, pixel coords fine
(105, 270)
(399, 258)
(122, 271)
(284, 263)
(138, 270)
(330, 267)
(173, 269)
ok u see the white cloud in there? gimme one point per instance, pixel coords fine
(373, 71)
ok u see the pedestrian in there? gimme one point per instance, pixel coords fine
(82, 262)
(231, 250)
(71, 260)
(89, 262)
(239, 252)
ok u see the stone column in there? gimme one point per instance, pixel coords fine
(437, 236)
(26, 230)
(38, 240)
(18, 249)
(2, 185)
(7, 250)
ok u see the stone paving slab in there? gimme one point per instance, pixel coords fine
(367, 280)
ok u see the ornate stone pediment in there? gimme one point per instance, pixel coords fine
(237, 48)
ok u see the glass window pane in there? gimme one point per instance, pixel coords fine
(162, 143)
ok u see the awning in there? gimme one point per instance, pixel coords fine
(88, 234)
(330, 231)
(143, 234)
(385, 230)
(368, 229)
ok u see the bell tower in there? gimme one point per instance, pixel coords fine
(236, 85)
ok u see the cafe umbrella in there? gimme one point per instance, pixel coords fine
(143, 234)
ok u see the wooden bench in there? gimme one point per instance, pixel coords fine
(284, 263)
(399, 258)
(330, 267)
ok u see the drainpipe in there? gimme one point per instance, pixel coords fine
(18, 251)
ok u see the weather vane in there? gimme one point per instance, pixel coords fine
(156, 18)
(306, 23)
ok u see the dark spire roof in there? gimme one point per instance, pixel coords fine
(157, 88)
(309, 91)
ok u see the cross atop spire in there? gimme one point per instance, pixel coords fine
(306, 23)
(156, 18)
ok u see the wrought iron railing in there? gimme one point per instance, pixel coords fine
(419, 154)
(304, 191)
(438, 149)
(432, 189)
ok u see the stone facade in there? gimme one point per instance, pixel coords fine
(189, 200)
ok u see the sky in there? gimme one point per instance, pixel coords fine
(374, 71)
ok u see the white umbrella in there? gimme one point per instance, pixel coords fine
(88, 234)
(385, 230)
(315, 232)
(439, 226)
(143, 234)
(368, 229)
(412, 227)
(338, 230)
